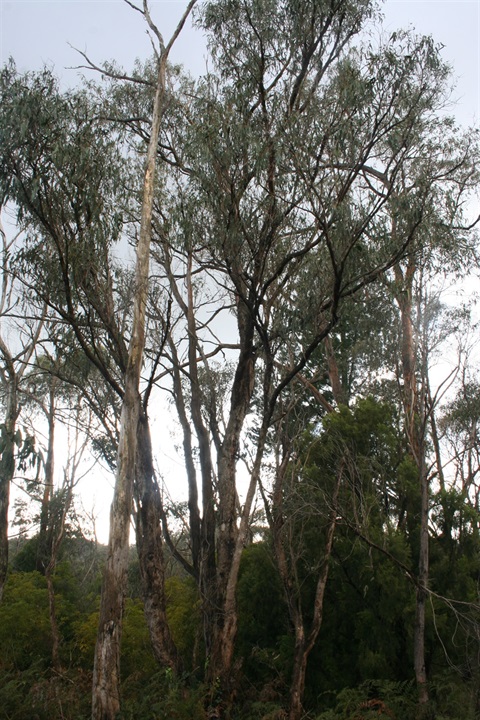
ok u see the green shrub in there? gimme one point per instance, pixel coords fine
(25, 635)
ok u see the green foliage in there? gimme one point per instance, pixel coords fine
(25, 637)
(374, 699)
(163, 697)
(183, 613)
(137, 657)
(25, 558)
(263, 618)
(37, 694)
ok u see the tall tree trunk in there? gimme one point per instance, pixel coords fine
(150, 551)
(226, 646)
(43, 549)
(421, 596)
(106, 669)
(220, 660)
(106, 672)
(414, 408)
(7, 471)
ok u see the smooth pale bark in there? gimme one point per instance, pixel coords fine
(414, 425)
(106, 672)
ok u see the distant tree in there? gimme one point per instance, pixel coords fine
(18, 341)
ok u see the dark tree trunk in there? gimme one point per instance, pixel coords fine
(150, 551)
(7, 471)
(106, 670)
(44, 538)
(220, 661)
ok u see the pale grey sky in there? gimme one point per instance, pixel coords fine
(35, 32)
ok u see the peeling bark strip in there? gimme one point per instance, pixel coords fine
(106, 673)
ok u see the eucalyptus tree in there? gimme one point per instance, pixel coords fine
(448, 157)
(286, 189)
(280, 204)
(56, 403)
(82, 238)
(18, 339)
(459, 425)
(68, 178)
(134, 448)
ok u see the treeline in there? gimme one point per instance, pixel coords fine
(361, 665)
(265, 246)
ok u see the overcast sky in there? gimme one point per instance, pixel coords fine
(35, 32)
